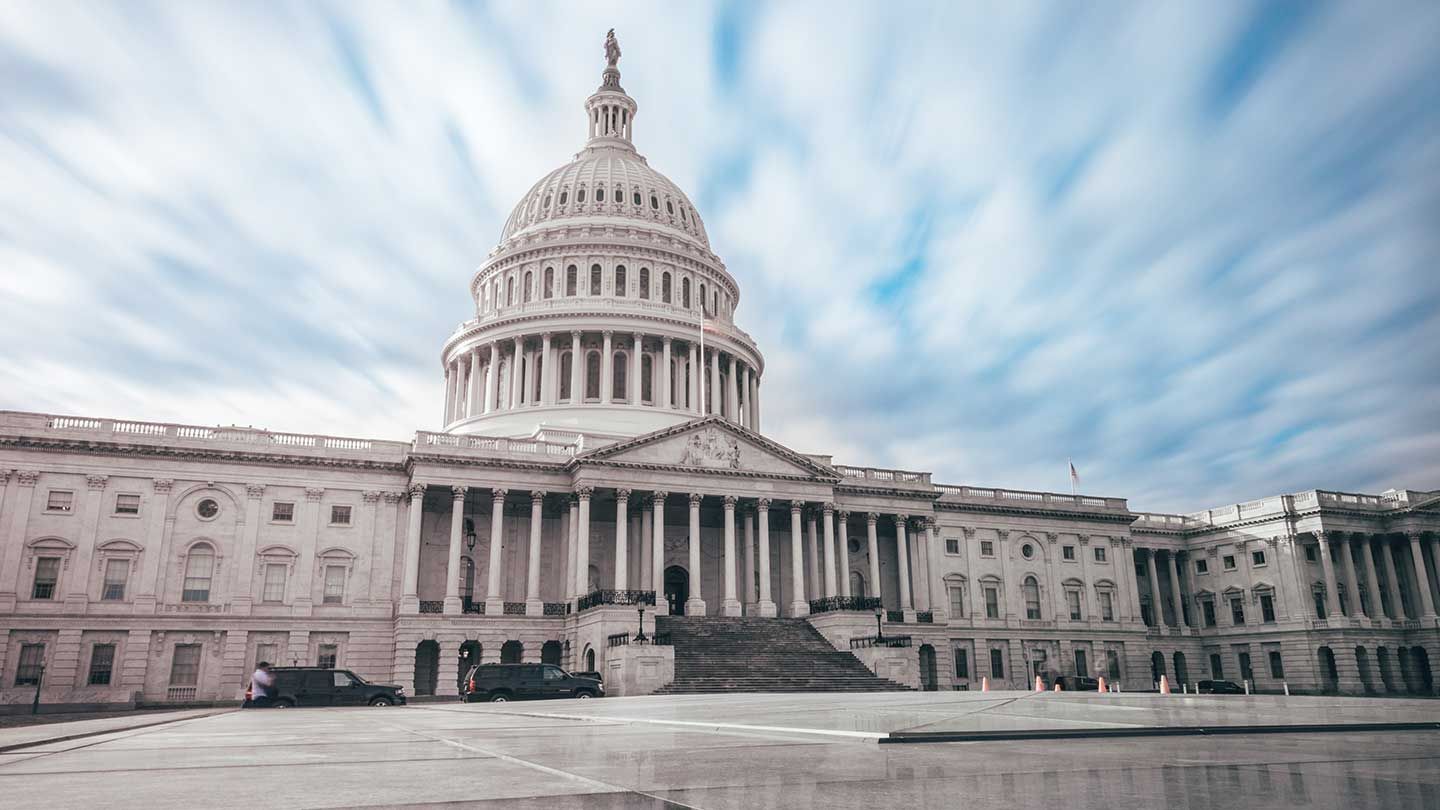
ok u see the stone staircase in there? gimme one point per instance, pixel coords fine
(750, 654)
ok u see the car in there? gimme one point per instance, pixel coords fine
(1219, 688)
(498, 683)
(589, 674)
(318, 686)
(1078, 683)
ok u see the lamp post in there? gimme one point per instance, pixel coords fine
(640, 631)
(39, 679)
(879, 634)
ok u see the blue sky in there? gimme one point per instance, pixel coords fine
(1193, 246)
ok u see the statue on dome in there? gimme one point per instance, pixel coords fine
(612, 48)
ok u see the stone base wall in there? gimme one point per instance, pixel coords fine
(638, 669)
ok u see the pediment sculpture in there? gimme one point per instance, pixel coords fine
(712, 448)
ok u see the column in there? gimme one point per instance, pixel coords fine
(577, 369)
(492, 370)
(828, 515)
(665, 398)
(798, 605)
(74, 589)
(812, 548)
(1392, 580)
(243, 597)
(695, 605)
(1372, 583)
(516, 377)
(747, 585)
(731, 605)
(902, 553)
(533, 604)
(634, 394)
(714, 393)
(1352, 589)
(1422, 580)
(733, 394)
(692, 381)
(410, 599)
(1332, 598)
(1157, 612)
(622, 533)
(547, 370)
(572, 547)
(494, 599)
(452, 557)
(646, 575)
(1124, 553)
(473, 390)
(873, 547)
(607, 368)
(755, 403)
(748, 389)
(582, 542)
(1175, 592)
(842, 519)
(766, 605)
(449, 392)
(657, 546)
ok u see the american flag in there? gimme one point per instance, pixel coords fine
(1074, 476)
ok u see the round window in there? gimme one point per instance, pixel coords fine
(1027, 551)
(207, 508)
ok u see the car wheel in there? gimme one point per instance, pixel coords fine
(381, 701)
(499, 697)
(282, 704)
(584, 695)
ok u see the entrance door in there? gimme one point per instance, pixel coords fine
(427, 666)
(928, 680)
(677, 589)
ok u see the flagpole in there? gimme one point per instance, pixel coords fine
(701, 371)
(1072, 474)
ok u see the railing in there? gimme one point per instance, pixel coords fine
(557, 608)
(471, 606)
(438, 606)
(180, 694)
(499, 446)
(514, 608)
(1024, 496)
(897, 616)
(834, 603)
(925, 617)
(612, 597)
(229, 435)
(863, 642)
(586, 303)
(878, 474)
(625, 640)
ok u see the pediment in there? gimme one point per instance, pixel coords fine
(711, 444)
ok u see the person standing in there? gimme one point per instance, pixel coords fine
(262, 686)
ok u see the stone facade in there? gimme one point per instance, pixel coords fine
(602, 448)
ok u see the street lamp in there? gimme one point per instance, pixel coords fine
(640, 632)
(470, 541)
(879, 634)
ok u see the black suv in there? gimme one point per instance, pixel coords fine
(313, 686)
(1219, 688)
(502, 682)
(1078, 683)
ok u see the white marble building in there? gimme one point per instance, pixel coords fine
(599, 448)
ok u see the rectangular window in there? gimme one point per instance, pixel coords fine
(1246, 672)
(1107, 606)
(1229, 561)
(185, 665)
(1277, 667)
(282, 512)
(340, 516)
(269, 653)
(997, 664)
(274, 583)
(1208, 608)
(1320, 610)
(1082, 666)
(32, 658)
(957, 602)
(117, 573)
(1068, 552)
(47, 574)
(952, 545)
(1310, 554)
(1237, 610)
(334, 584)
(1267, 608)
(1112, 663)
(962, 664)
(127, 504)
(325, 658)
(992, 603)
(59, 500)
(1257, 558)
(987, 548)
(1202, 566)
(1099, 554)
(102, 662)
(1072, 598)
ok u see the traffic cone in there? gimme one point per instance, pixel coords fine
(984, 684)
(1102, 685)
(1057, 686)
(1164, 685)
(1039, 684)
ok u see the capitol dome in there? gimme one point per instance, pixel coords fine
(602, 313)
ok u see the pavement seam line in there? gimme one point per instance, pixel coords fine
(20, 746)
(868, 736)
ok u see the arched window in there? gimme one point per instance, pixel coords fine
(592, 375)
(537, 377)
(620, 280)
(567, 360)
(1031, 591)
(547, 201)
(510, 291)
(529, 285)
(570, 273)
(600, 194)
(665, 288)
(496, 296)
(580, 195)
(714, 303)
(549, 282)
(654, 203)
(702, 299)
(619, 195)
(670, 207)
(563, 196)
(199, 568)
(637, 198)
(647, 374)
(595, 279)
(467, 588)
(645, 283)
(685, 293)
(618, 376)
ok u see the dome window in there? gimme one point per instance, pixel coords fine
(564, 195)
(654, 202)
(665, 288)
(684, 214)
(599, 195)
(620, 280)
(570, 274)
(637, 199)
(549, 282)
(645, 283)
(580, 195)
(595, 279)
(529, 286)
(670, 207)
(546, 204)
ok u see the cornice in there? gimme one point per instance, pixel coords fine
(846, 488)
(196, 454)
(707, 471)
(1106, 517)
(483, 461)
(685, 325)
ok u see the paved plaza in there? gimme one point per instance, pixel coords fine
(748, 751)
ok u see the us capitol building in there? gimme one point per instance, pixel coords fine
(602, 461)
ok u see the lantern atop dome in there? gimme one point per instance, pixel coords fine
(611, 112)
